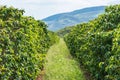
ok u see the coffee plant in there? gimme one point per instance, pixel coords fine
(24, 42)
(96, 44)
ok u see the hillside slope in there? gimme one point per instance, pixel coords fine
(62, 20)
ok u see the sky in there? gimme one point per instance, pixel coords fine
(40, 9)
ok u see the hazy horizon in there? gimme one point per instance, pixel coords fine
(42, 8)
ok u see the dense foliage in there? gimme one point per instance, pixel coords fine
(96, 44)
(23, 44)
(64, 31)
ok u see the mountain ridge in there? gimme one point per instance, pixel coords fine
(61, 20)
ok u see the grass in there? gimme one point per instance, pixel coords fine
(60, 65)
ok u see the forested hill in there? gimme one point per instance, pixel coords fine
(62, 20)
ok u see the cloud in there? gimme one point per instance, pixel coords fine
(114, 2)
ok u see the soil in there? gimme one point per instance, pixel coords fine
(40, 77)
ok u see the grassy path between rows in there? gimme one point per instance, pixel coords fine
(60, 65)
